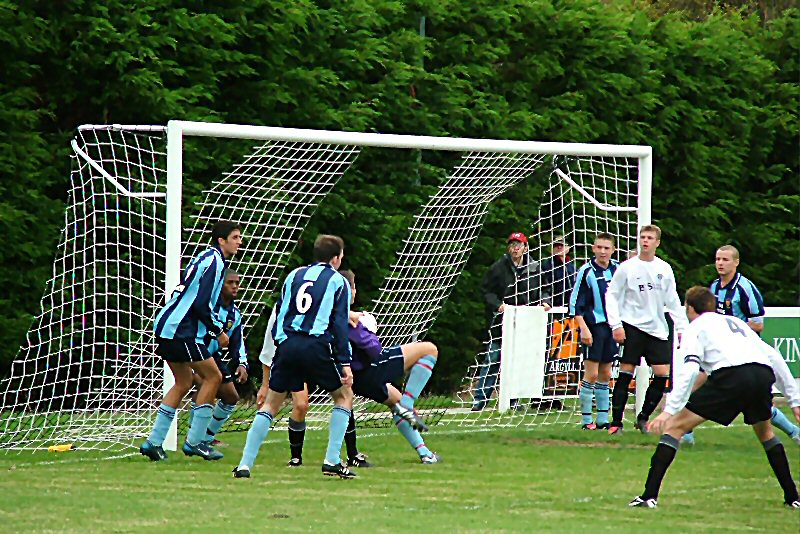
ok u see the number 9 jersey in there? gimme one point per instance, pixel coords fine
(315, 301)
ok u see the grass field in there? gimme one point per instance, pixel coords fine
(543, 480)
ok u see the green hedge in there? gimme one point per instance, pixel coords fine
(717, 100)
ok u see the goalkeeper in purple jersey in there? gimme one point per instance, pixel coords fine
(374, 369)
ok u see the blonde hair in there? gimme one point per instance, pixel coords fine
(730, 248)
(651, 228)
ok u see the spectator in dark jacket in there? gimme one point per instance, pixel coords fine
(558, 273)
(511, 280)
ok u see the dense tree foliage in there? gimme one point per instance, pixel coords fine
(717, 99)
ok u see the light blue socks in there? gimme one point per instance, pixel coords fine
(255, 437)
(164, 418)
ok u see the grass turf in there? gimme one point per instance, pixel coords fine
(558, 479)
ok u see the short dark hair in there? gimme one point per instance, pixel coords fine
(223, 229)
(350, 276)
(607, 237)
(327, 247)
(701, 299)
(231, 272)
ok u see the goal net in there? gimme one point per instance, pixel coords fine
(86, 373)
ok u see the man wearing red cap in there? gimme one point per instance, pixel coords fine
(510, 280)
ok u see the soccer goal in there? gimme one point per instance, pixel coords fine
(86, 373)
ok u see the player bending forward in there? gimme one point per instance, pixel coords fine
(741, 370)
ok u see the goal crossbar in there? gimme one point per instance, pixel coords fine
(270, 133)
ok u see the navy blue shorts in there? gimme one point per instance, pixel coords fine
(224, 366)
(301, 359)
(181, 350)
(371, 381)
(604, 349)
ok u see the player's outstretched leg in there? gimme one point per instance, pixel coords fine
(421, 359)
(414, 438)
(779, 420)
(684, 421)
(619, 400)
(659, 463)
(776, 455)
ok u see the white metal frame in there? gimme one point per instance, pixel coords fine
(176, 130)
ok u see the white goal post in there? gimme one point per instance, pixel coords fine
(128, 233)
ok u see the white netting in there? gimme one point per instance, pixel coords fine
(565, 215)
(272, 194)
(87, 373)
(438, 246)
(77, 378)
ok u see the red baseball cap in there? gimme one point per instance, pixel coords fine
(517, 236)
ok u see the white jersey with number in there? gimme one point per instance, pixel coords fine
(639, 294)
(713, 342)
(268, 350)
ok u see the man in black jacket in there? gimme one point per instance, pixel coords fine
(511, 280)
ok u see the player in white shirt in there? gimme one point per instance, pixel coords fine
(741, 370)
(642, 288)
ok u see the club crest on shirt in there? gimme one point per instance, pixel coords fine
(229, 325)
(660, 277)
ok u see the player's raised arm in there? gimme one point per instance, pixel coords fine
(784, 380)
(686, 367)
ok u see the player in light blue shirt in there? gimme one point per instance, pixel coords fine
(231, 318)
(736, 295)
(184, 328)
(587, 304)
(311, 333)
